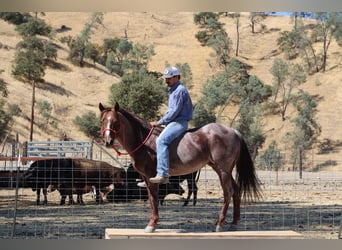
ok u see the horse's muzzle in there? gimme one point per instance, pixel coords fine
(108, 142)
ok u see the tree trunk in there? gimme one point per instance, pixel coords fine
(237, 36)
(300, 162)
(32, 108)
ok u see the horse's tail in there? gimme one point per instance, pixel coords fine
(247, 180)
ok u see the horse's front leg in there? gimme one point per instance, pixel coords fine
(153, 191)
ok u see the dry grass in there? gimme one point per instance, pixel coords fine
(74, 91)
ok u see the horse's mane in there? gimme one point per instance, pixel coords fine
(139, 124)
(142, 126)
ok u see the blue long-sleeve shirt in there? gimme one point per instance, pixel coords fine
(179, 106)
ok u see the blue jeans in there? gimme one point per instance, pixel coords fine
(170, 132)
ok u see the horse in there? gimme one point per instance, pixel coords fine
(213, 144)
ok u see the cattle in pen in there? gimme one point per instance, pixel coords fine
(131, 191)
(68, 174)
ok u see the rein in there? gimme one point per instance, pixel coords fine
(132, 151)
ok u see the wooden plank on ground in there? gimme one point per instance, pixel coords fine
(125, 233)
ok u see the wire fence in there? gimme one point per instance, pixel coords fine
(310, 204)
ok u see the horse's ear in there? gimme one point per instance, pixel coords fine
(116, 107)
(101, 108)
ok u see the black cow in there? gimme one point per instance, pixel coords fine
(36, 180)
(8, 179)
(85, 190)
(191, 180)
(132, 192)
(70, 174)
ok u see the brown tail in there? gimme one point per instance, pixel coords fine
(247, 180)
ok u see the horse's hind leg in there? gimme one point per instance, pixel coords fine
(226, 183)
(236, 205)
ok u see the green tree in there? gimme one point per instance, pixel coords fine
(78, 45)
(4, 116)
(271, 159)
(300, 42)
(3, 86)
(29, 67)
(250, 125)
(308, 53)
(221, 44)
(304, 41)
(280, 73)
(286, 77)
(5, 119)
(329, 27)
(111, 64)
(44, 108)
(118, 51)
(77, 51)
(290, 42)
(236, 17)
(15, 17)
(34, 26)
(256, 18)
(141, 93)
(89, 124)
(250, 113)
(92, 52)
(213, 35)
(140, 55)
(202, 114)
(209, 24)
(109, 46)
(230, 86)
(50, 50)
(235, 87)
(306, 129)
(217, 92)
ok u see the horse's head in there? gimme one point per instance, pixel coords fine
(110, 124)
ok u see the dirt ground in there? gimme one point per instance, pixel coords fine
(311, 206)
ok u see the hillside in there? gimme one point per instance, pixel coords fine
(74, 91)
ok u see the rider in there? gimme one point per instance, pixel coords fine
(176, 119)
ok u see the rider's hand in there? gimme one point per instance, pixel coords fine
(154, 124)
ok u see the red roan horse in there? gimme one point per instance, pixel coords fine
(218, 146)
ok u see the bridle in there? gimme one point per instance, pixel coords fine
(115, 132)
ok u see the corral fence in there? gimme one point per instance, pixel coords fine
(59, 149)
(17, 158)
(73, 149)
(34, 150)
(310, 204)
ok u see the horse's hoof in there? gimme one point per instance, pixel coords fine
(218, 228)
(149, 229)
(233, 227)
